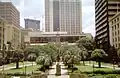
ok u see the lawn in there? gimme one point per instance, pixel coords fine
(90, 69)
(20, 63)
(29, 69)
(98, 72)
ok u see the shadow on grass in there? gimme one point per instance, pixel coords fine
(99, 67)
(16, 68)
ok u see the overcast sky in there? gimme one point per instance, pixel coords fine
(35, 9)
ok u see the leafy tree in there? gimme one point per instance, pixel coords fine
(50, 50)
(1, 57)
(72, 56)
(32, 57)
(18, 56)
(31, 50)
(84, 54)
(86, 43)
(44, 60)
(98, 55)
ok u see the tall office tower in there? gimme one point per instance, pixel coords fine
(63, 16)
(104, 10)
(34, 24)
(9, 12)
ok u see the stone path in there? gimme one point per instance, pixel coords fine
(53, 71)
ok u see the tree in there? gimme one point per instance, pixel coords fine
(45, 61)
(83, 54)
(86, 43)
(98, 55)
(18, 56)
(1, 57)
(31, 50)
(32, 57)
(72, 56)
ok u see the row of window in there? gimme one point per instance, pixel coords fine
(116, 20)
(115, 27)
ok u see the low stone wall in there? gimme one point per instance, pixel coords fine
(77, 75)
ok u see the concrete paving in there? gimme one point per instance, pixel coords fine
(53, 71)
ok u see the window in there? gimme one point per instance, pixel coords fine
(115, 39)
(115, 33)
(115, 27)
(118, 25)
(118, 19)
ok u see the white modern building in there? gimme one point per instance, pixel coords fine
(63, 16)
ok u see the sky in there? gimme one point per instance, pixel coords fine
(35, 9)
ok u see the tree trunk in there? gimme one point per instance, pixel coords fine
(83, 62)
(99, 64)
(17, 64)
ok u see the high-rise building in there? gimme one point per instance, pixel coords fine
(9, 12)
(104, 10)
(33, 24)
(63, 16)
(114, 23)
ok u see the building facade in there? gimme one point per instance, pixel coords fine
(104, 10)
(63, 16)
(114, 24)
(46, 37)
(9, 12)
(2, 31)
(34, 24)
(12, 35)
(24, 33)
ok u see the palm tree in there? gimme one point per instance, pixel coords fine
(98, 55)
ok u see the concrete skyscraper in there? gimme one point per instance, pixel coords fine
(10, 13)
(104, 11)
(33, 24)
(63, 16)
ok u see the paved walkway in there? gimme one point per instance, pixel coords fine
(116, 68)
(6, 67)
(53, 71)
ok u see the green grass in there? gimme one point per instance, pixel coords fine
(20, 63)
(90, 69)
(29, 69)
